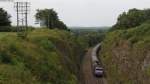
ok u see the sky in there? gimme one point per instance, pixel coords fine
(85, 13)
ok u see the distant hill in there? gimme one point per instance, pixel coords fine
(87, 29)
(105, 27)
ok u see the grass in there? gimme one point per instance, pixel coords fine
(5, 34)
(44, 57)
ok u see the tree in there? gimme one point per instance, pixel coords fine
(49, 18)
(132, 18)
(4, 20)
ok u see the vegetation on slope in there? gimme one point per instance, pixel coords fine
(126, 55)
(44, 57)
(90, 36)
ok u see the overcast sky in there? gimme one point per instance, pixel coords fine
(81, 12)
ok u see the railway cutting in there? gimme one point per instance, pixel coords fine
(87, 71)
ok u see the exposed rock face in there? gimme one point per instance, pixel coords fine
(127, 60)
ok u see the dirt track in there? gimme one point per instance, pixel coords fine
(87, 75)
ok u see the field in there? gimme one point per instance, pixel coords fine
(4, 34)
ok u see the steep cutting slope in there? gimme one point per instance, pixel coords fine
(126, 55)
(44, 57)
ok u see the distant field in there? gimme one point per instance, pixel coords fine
(3, 34)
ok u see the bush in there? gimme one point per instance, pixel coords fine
(5, 28)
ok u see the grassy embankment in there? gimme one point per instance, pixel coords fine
(126, 55)
(44, 57)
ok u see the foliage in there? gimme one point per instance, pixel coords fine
(44, 57)
(49, 18)
(132, 18)
(4, 20)
(125, 55)
(5, 28)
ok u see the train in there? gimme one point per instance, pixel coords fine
(97, 68)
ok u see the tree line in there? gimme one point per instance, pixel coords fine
(46, 17)
(134, 17)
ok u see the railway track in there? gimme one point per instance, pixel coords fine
(87, 75)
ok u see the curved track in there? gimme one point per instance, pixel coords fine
(88, 77)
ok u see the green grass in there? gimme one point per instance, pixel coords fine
(44, 57)
(4, 34)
